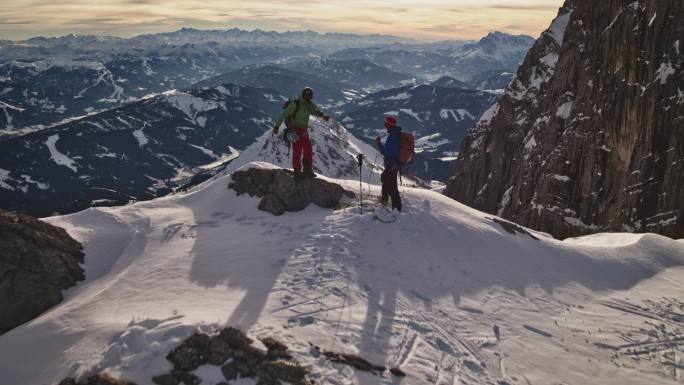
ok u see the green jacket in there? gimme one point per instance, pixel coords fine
(301, 120)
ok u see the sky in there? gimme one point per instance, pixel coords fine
(420, 19)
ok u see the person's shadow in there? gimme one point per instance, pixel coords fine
(397, 270)
(261, 247)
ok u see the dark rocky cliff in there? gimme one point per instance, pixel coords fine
(589, 137)
(37, 261)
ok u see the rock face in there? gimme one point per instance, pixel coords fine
(98, 379)
(590, 135)
(233, 351)
(279, 192)
(37, 261)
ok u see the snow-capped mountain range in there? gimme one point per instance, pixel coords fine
(48, 91)
(285, 81)
(462, 61)
(44, 103)
(438, 117)
(134, 152)
(45, 81)
(88, 44)
(355, 75)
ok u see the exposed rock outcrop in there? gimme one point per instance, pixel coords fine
(98, 379)
(37, 261)
(279, 192)
(589, 137)
(233, 351)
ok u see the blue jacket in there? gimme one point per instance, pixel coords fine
(390, 150)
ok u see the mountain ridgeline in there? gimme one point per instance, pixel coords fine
(136, 152)
(589, 136)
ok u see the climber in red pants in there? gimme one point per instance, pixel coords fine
(296, 118)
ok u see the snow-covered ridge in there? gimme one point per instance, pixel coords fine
(48, 63)
(335, 152)
(158, 271)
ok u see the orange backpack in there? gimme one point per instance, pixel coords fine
(407, 151)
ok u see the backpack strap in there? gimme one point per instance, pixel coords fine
(294, 114)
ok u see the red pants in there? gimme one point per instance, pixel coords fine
(302, 145)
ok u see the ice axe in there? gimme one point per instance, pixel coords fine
(359, 158)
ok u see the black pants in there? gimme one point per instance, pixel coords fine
(389, 186)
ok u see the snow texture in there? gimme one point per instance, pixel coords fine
(558, 27)
(160, 270)
(564, 110)
(335, 152)
(4, 178)
(664, 72)
(140, 137)
(57, 156)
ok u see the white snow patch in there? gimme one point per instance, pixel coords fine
(458, 114)
(140, 137)
(664, 72)
(191, 105)
(57, 156)
(504, 201)
(561, 178)
(465, 113)
(401, 96)
(4, 178)
(578, 223)
(563, 111)
(409, 111)
(558, 27)
(550, 59)
(205, 150)
(488, 115)
(40, 185)
(201, 120)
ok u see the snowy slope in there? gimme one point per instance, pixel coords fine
(422, 293)
(335, 152)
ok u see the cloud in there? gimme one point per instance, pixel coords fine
(430, 19)
(17, 22)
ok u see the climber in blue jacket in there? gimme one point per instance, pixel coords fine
(390, 151)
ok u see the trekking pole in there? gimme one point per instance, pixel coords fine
(370, 173)
(360, 160)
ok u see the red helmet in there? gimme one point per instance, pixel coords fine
(390, 121)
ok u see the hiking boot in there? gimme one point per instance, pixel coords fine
(298, 176)
(308, 169)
